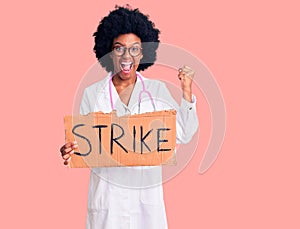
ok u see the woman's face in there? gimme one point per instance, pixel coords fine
(126, 55)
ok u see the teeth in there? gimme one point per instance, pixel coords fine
(126, 63)
(126, 66)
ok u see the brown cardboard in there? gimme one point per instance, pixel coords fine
(149, 139)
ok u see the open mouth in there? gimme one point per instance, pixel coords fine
(126, 66)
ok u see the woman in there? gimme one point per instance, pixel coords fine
(131, 197)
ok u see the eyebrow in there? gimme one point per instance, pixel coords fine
(119, 43)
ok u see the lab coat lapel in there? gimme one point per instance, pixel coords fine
(113, 96)
(103, 98)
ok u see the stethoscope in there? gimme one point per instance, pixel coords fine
(144, 90)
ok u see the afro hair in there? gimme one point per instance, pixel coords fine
(124, 20)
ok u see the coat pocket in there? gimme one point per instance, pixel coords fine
(152, 196)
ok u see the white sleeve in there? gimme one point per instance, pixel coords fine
(186, 117)
(85, 105)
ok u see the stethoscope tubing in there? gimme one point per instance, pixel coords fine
(140, 94)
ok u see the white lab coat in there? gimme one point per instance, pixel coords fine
(132, 197)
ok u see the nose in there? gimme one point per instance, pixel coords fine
(126, 53)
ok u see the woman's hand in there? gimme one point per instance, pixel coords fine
(186, 75)
(67, 150)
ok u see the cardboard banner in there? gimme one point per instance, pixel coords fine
(134, 140)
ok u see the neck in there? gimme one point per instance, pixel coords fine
(124, 81)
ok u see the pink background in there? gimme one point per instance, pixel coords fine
(252, 48)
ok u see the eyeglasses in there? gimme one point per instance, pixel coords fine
(133, 50)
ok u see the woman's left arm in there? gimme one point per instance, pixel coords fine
(186, 117)
(186, 75)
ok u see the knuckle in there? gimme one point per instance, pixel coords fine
(65, 151)
(66, 156)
